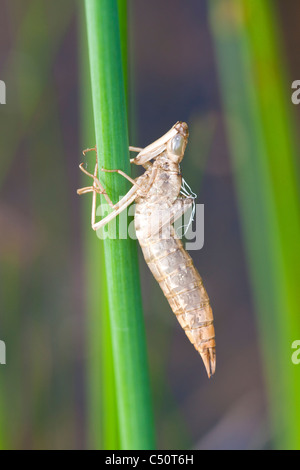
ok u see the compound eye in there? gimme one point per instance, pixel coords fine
(178, 145)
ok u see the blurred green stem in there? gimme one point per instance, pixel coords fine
(33, 37)
(260, 128)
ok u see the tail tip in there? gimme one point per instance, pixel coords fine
(209, 359)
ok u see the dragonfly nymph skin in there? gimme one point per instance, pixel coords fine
(166, 257)
(159, 203)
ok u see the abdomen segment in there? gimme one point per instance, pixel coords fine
(182, 285)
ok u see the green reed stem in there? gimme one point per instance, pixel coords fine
(121, 264)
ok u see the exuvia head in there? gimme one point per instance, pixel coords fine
(174, 141)
(176, 146)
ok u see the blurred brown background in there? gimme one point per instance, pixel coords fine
(42, 288)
